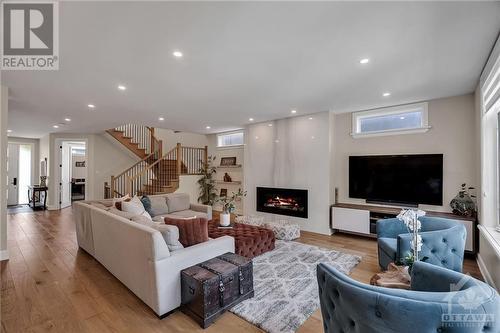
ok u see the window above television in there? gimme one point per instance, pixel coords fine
(403, 119)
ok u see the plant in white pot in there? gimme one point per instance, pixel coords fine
(228, 206)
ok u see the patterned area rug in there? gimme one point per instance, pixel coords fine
(286, 291)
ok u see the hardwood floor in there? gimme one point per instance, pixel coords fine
(49, 285)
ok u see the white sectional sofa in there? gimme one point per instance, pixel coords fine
(138, 255)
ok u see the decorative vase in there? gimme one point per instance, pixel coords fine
(463, 204)
(225, 219)
(43, 181)
(227, 178)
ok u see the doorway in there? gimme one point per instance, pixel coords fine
(73, 172)
(19, 173)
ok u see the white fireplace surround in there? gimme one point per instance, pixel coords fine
(291, 153)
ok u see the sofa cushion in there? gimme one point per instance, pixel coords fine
(146, 202)
(177, 202)
(158, 205)
(187, 213)
(191, 231)
(135, 206)
(389, 246)
(170, 233)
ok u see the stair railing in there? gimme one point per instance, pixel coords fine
(154, 177)
(144, 136)
(192, 159)
(119, 183)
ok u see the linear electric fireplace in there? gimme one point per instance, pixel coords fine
(283, 201)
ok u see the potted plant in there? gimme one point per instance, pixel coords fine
(206, 182)
(228, 206)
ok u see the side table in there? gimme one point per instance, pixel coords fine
(37, 196)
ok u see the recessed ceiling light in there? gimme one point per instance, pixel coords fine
(208, 127)
(67, 119)
(364, 61)
(277, 141)
(250, 119)
(256, 138)
(122, 87)
(293, 111)
(177, 54)
(270, 125)
(310, 118)
(161, 119)
(312, 137)
(9, 131)
(56, 126)
(386, 94)
(402, 118)
(92, 106)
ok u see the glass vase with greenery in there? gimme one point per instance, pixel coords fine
(206, 183)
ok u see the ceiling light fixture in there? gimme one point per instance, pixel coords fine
(310, 118)
(293, 111)
(56, 126)
(122, 87)
(250, 119)
(177, 54)
(67, 119)
(402, 118)
(161, 119)
(386, 94)
(9, 131)
(364, 61)
(91, 106)
(208, 127)
(270, 125)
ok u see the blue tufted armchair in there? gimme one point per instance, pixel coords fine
(443, 242)
(430, 307)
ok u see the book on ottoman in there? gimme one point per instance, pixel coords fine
(210, 288)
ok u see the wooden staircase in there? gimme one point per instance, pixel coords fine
(154, 173)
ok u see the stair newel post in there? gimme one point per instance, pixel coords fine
(113, 186)
(152, 139)
(160, 148)
(179, 159)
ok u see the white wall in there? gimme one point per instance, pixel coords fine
(78, 172)
(188, 184)
(293, 153)
(4, 105)
(170, 139)
(452, 134)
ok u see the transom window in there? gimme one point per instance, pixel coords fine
(403, 119)
(230, 139)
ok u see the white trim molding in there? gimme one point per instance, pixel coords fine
(492, 237)
(4, 255)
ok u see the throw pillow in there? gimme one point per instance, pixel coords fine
(117, 202)
(158, 205)
(170, 233)
(127, 215)
(191, 231)
(135, 206)
(146, 202)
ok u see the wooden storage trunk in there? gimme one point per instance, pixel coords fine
(210, 288)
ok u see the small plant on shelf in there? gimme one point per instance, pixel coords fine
(206, 183)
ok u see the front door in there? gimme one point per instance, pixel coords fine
(13, 174)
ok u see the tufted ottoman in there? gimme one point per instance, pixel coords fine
(250, 241)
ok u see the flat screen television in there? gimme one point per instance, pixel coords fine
(397, 179)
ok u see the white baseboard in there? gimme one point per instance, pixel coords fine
(484, 271)
(52, 207)
(4, 255)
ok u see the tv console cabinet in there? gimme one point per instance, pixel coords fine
(362, 220)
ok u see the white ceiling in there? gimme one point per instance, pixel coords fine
(243, 59)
